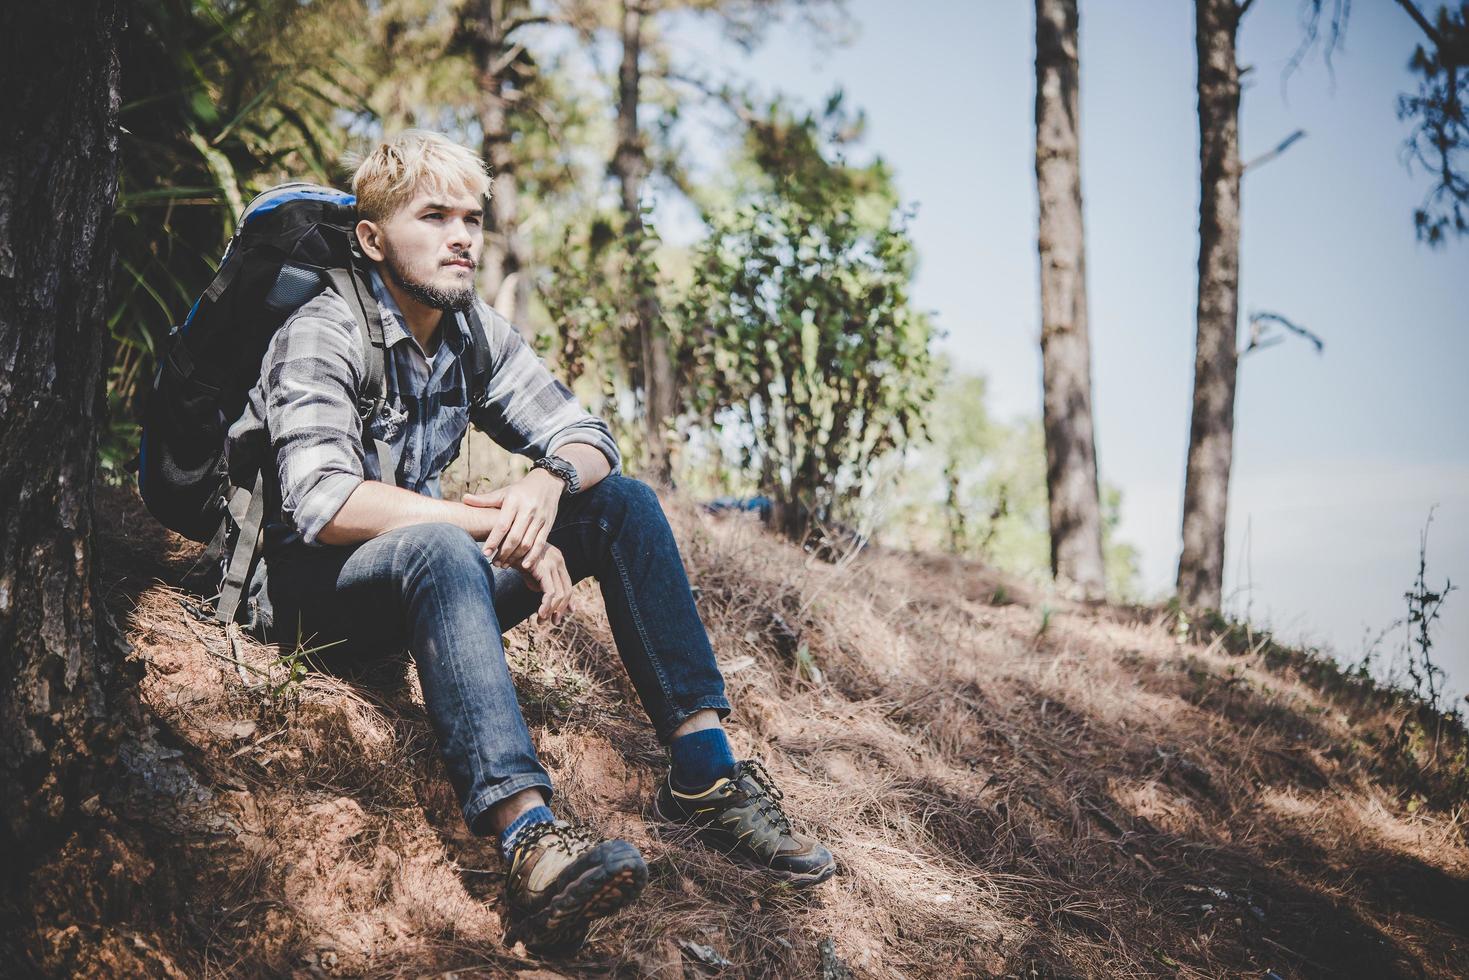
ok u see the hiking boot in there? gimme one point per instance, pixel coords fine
(742, 818)
(561, 878)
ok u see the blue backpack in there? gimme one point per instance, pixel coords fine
(291, 242)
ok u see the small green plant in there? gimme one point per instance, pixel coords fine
(1182, 625)
(1046, 612)
(806, 665)
(286, 674)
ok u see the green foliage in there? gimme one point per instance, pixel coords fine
(798, 341)
(579, 290)
(213, 110)
(591, 288)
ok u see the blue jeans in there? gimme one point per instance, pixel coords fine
(429, 588)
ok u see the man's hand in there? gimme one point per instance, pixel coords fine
(549, 575)
(527, 512)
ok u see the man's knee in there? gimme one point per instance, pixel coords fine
(626, 497)
(437, 547)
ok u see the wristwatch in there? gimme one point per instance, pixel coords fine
(557, 466)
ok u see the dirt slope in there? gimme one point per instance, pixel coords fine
(1014, 786)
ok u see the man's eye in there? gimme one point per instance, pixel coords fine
(473, 221)
(433, 214)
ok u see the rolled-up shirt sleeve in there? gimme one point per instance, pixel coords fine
(525, 408)
(309, 379)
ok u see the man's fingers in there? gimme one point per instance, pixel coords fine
(496, 538)
(542, 542)
(522, 552)
(492, 499)
(512, 549)
(549, 572)
(559, 591)
(566, 587)
(491, 545)
(503, 537)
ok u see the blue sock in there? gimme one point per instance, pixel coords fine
(699, 758)
(535, 815)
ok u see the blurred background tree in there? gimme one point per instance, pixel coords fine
(1066, 363)
(976, 488)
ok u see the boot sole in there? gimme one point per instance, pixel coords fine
(561, 927)
(796, 879)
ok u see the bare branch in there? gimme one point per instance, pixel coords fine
(516, 25)
(722, 95)
(507, 59)
(1311, 33)
(1280, 148)
(1261, 336)
(1423, 22)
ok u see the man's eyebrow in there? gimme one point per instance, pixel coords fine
(431, 206)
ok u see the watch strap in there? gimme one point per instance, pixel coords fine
(558, 466)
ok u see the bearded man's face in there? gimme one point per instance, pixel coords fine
(431, 248)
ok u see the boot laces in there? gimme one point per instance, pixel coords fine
(768, 793)
(564, 836)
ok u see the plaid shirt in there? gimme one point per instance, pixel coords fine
(305, 403)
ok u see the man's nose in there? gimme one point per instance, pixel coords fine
(459, 234)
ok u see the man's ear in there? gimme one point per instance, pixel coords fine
(370, 238)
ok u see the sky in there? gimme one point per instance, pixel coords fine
(1339, 456)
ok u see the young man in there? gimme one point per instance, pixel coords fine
(352, 558)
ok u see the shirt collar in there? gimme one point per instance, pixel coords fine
(395, 328)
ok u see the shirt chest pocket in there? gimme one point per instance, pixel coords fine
(445, 434)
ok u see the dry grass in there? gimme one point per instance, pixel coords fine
(1009, 793)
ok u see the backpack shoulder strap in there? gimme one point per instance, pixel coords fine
(479, 358)
(348, 282)
(247, 508)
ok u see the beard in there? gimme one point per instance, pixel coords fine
(457, 299)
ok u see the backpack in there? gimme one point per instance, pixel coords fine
(291, 241)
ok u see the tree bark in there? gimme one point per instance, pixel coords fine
(506, 257)
(630, 163)
(58, 179)
(1071, 458)
(1211, 431)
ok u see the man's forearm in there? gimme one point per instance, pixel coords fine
(591, 465)
(375, 508)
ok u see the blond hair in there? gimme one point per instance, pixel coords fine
(388, 178)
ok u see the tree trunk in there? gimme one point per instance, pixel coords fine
(1211, 432)
(631, 164)
(1071, 457)
(58, 179)
(506, 258)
